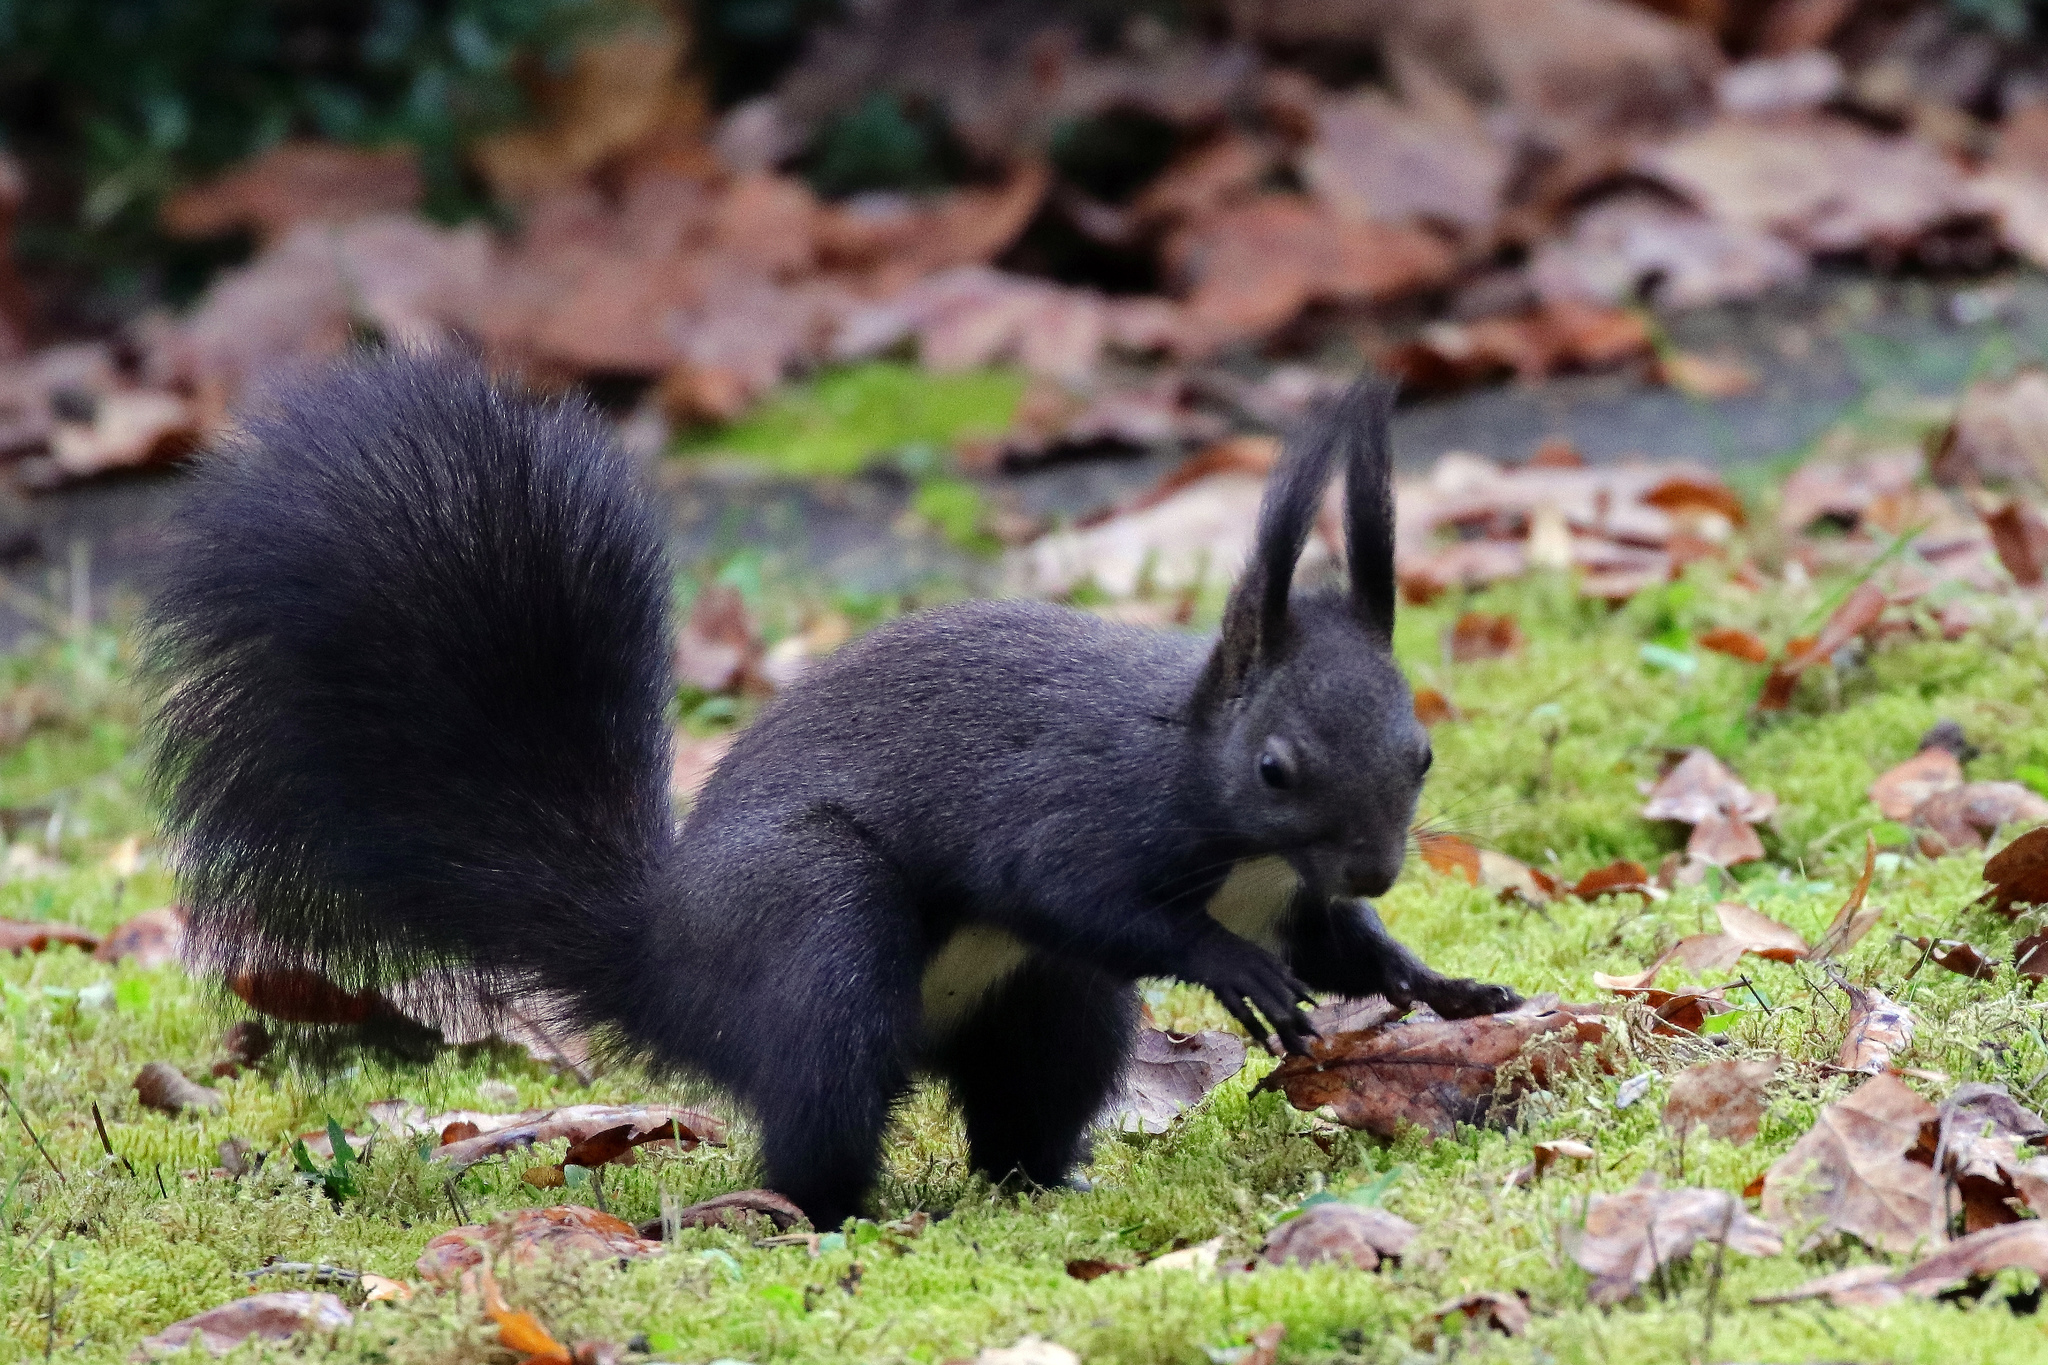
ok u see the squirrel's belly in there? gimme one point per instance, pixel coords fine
(1253, 900)
(976, 959)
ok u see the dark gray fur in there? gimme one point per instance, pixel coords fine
(412, 645)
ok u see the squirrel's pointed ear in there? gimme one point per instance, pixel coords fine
(1361, 417)
(1255, 618)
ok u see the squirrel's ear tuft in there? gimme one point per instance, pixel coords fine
(1360, 418)
(1255, 619)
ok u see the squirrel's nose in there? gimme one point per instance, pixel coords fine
(1369, 871)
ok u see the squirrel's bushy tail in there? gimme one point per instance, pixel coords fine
(411, 649)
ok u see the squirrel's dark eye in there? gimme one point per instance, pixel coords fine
(1273, 770)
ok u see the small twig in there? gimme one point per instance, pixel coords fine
(159, 1166)
(318, 1272)
(31, 1132)
(106, 1142)
(455, 1200)
(50, 1340)
(1714, 1278)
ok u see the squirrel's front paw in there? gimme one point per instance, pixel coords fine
(1250, 982)
(1463, 998)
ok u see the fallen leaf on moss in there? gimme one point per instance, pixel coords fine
(1337, 1233)
(597, 1133)
(1851, 1173)
(19, 936)
(1743, 930)
(1966, 817)
(1857, 613)
(2018, 874)
(1478, 635)
(262, 1317)
(1702, 791)
(1726, 1098)
(1627, 1236)
(2020, 538)
(2014, 1246)
(1964, 959)
(518, 1330)
(2030, 956)
(1900, 790)
(1553, 338)
(1621, 875)
(1435, 1073)
(1169, 1073)
(1507, 1314)
(730, 1210)
(1086, 1269)
(164, 1088)
(1855, 918)
(1543, 1156)
(149, 939)
(1433, 707)
(1738, 644)
(529, 1234)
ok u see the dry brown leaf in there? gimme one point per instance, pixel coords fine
(1479, 635)
(1507, 1314)
(1879, 1029)
(1701, 791)
(19, 936)
(1555, 338)
(1375, 158)
(2018, 874)
(1899, 790)
(718, 644)
(1622, 248)
(1621, 875)
(1962, 958)
(1628, 1235)
(1433, 708)
(1851, 1173)
(262, 1317)
(149, 939)
(600, 1132)
(1484, 867)
(1857, 614)
(730, 1210)
(163, 1087)
(1543, 1156)
(2021, 1246)
(1090, 1268)
(1726, 1098)
(293, 183)
(2020, 537)
(529, 1234)
(2030, 956)
(1844, 491)
(1823, 184)
(1968, 816)
(304, 997)
(1434, 1073)
(1337, 1233)
(1251, 268)
(1169, 1073)
(1854, 919)
(1989, 1146)
(519, 1331)
(1736, 643)
(1265, 1345)
(1999, 435)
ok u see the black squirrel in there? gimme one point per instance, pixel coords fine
(411, 639)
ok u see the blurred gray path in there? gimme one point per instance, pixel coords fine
(1820, 350)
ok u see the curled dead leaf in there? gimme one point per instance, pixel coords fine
(1627, 1236)
(2014, 1246)
(1879, 1029)
(18, 936)
(1478, 635)
(1435, 1073)
(1738, 644)
(530, 1234)
(1701, 791)
(1900, 790)
(1543, 1156)
(261, 1317)
(164, 1088)
(1851, 1173)
(1966, 817)
(730, 1210)
(1169, 1073)
(1726, 1098)
(1507, 1314)
(596, 1132)
(1338, 1233)
(1962, 958)
(2018, 874)
(1858, 612)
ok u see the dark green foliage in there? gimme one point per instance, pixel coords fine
(115, 102)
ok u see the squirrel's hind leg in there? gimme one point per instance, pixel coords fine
(1034, 1065)
(820, 985)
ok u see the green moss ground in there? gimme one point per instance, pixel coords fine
(1545, 766)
